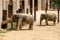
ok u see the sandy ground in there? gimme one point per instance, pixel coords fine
(38, 33)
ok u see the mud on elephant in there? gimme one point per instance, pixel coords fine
(48, 17)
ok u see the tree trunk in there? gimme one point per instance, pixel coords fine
(58, 15)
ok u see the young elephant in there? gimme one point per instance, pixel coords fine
(24, 18)
(4, 23)
(9, 20)
(20, 19)
(48, 17)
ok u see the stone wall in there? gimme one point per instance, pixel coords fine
(0, 12)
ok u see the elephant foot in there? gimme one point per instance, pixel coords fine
(30, 28)
(54, 24)
(17, 29)
(46, 24)
(40, 22)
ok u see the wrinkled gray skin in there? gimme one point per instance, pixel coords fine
(20, 19)
(23, 18)
(48, 17)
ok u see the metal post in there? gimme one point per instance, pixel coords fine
(46, 8)
(58, 15)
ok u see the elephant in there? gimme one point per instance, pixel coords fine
(48, 17)
(24, 18)
(9, 20)
(20, 19)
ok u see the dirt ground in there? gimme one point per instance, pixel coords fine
(38, 33)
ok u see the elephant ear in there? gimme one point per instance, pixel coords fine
(15, 17)
(43, 16)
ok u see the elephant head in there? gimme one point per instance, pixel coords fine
(43, 16)
(15, 18)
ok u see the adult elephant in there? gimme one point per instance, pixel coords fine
(24, 18)
(48, 17)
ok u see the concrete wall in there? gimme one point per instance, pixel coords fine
(14, 6)
(26, 5)
(0, 12)
(39, 4)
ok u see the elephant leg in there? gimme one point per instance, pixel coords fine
(40, 21)
(22, 23)
(11, 25)
(54, 22)
(30, 26)
(17, 28)
(46, 22)
(19, 24)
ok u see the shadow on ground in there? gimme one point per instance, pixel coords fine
(46, 25)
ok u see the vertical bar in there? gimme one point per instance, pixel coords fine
(31, 6)
(46, 8)
(0, 13)
(58, 15)
(4, 15)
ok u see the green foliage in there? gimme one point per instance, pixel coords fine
(57, 2)
(53, 1)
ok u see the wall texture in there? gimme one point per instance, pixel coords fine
(0, 12)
